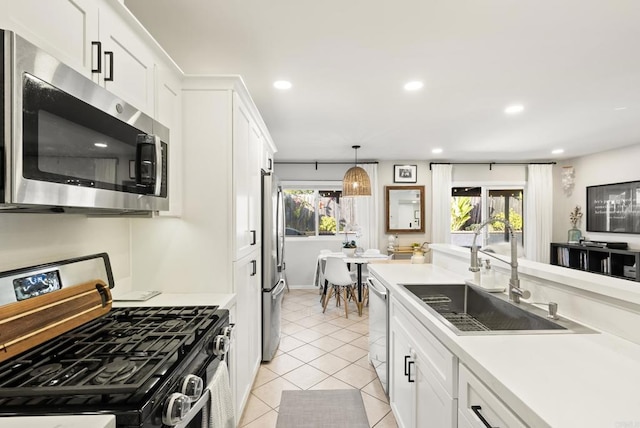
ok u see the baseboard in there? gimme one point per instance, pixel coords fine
(302, 287)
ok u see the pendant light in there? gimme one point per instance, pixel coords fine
(356, 181)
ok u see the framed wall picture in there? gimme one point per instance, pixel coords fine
(405, 173)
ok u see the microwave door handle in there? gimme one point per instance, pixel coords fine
(158, 183)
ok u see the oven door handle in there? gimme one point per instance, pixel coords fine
(204, 400)
(379, 290)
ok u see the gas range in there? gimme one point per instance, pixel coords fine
(146, 365)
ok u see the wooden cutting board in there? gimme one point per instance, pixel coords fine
(31, 322)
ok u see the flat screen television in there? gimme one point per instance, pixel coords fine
(614, 208)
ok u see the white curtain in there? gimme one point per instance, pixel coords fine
(441, 191)
(539, 212)
(366, 211)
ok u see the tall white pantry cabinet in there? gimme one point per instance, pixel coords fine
(225, 143)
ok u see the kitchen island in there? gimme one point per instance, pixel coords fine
(543, 380)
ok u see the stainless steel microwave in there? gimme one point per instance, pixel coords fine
(70, 146)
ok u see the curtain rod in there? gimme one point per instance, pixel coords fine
(490, 163)
(316, 163)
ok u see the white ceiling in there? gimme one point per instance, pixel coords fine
(573, 64)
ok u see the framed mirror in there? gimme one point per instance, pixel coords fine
(404, 209)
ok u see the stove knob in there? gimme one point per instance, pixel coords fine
(192, 386)
(220, 345)
(228, 330)
(175, 409)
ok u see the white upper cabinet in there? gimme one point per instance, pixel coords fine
(92, 37)
(247, 150)
(127, 62)
(68, 29)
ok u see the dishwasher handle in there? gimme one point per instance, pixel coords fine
(376, 288)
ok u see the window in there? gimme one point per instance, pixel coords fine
(470, 206)
(319, 211)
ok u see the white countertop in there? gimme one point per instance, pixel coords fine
(555, 380)
(80, 421)
(224, 300)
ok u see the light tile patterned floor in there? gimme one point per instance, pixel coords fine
(318, 351)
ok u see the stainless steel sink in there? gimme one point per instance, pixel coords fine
(469, 310)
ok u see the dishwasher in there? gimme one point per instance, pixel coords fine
(379, 330)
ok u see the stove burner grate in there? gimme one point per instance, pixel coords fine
(119, 353)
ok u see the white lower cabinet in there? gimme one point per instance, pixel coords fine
(478, 407)
(248, 289)
(423, 374)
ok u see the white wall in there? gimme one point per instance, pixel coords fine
(193, 254)
(385, 178)
(613, 166)
(31, 239)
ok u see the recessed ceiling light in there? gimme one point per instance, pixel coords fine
(557, 151)
(103, 145)
(436, 151)
(413, 86)
(620, 108)
(514, 109)
(282, 84)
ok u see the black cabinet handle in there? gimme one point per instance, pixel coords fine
(254, 267)
(98, 68)
(109, 78)
(476, 410)
(253, 237)
(406, 358)
(409, 372)
(270, 164)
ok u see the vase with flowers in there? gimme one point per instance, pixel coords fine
(574, 233)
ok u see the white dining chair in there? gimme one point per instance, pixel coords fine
(340, 283)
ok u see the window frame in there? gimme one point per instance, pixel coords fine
(317, 186)
(485, 187)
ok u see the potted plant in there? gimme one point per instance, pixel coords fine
(349, 248)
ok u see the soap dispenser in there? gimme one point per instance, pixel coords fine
(486, 274)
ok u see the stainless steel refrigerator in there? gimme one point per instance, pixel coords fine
(273, 277)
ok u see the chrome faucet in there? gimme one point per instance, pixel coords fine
(515, 292)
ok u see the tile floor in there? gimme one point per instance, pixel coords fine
(318, 351)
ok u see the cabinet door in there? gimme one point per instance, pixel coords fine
(232, 361)
(401, 390)
(255, 185)
(477, 402)
(128, 64)
(248, 332)
(435, 407)
(244, 235)
(168, 111)
(267, 157)
(64, 28)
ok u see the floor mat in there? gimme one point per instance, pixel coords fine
(332, 408)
